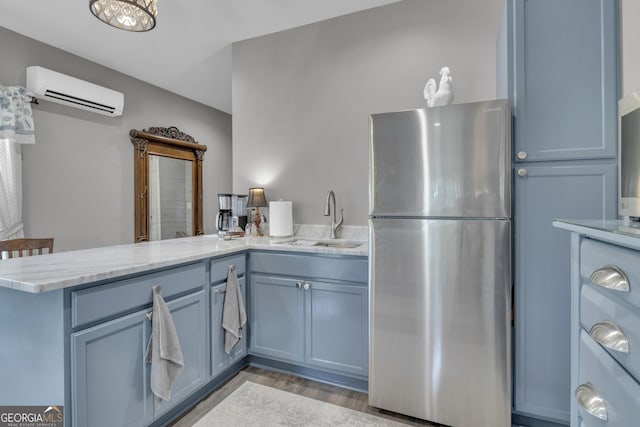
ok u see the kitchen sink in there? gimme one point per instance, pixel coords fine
(339, 244)
(344, 245)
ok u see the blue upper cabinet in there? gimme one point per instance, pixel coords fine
(562, 62)
(557, 61)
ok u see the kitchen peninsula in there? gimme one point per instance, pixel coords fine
(76, 324)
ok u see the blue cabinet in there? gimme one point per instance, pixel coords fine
(605, 322)
(312, 320)
(336, 327)
(542, 275)
(110, 370)
(277, 317)
(563, 78)
(557, 62)
(219, 271)
(109, 374)
(220, 360)
(189, 317)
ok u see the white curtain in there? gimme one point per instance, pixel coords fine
(16, 127)
(10, 190)
(155, 223)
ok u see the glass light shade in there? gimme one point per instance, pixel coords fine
(257, 198)
(130, 15)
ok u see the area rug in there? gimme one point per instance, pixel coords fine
(258, 405)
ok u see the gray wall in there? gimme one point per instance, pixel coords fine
(78, 177)
(301, 97)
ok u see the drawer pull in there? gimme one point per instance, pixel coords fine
(587, 396)
(609, 335)
(611, 277)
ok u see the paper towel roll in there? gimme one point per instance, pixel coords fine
(281, 218)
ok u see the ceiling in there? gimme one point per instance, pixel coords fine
(189, 51)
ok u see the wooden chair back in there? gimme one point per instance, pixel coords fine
(27, 247)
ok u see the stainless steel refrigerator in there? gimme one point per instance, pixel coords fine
(440, 264)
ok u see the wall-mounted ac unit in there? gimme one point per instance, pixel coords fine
(56, 87)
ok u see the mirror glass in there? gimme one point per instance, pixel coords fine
(170, 198)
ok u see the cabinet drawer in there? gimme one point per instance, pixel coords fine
(101, 302)
(350, 269)
(596, 307)
(595, 255)
(220, 267)
(620, 392)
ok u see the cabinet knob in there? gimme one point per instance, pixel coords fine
(307, 285)
(609, 335)
(522, 155)
(298, 285)
(611, 277)
(588, 397)
(522, 172)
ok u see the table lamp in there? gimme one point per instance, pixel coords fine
(257, 199)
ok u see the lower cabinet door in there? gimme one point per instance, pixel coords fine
(220, 360)
(110, 379)
(189, 317)
(337, 331)
(277, 318)
(542, 275)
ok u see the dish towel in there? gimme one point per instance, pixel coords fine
(163, 351)
(234, 316)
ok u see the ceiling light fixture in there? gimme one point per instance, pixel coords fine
(130, 15)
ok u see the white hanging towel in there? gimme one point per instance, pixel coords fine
(234, 316)
(163, 351)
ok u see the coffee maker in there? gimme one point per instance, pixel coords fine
(239, 211)
(223, 219)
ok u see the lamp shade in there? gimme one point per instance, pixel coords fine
(130, 15)
(257, 198)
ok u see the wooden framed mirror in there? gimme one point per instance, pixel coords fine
(167, 184)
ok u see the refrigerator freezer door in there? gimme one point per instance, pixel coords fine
(440, 297)
(451, 161)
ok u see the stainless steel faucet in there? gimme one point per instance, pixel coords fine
(329, 211)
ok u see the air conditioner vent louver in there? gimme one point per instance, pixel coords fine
(56, 87)
(78, 101)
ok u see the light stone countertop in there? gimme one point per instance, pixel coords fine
(622, 232)
(60, 270)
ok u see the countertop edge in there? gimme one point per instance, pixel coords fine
(71, 281)
(606, 235)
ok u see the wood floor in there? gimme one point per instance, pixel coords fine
(315, 390)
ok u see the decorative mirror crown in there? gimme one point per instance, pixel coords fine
(170, 132)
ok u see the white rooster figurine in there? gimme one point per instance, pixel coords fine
(444, 94)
